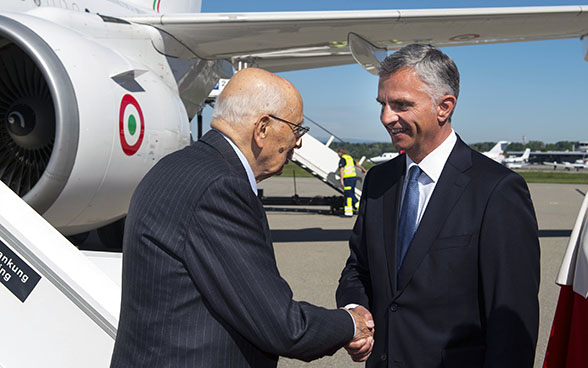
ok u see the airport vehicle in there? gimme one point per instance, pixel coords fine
(517, 162)
(95, 92)
(497, 152)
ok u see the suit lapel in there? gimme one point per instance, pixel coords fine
(390, 212)
(451, 185)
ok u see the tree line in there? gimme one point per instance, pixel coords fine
(533, 145)
(357, 150)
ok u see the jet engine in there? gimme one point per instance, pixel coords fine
(80, 121)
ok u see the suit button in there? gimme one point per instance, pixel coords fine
(394, 307)
(383, 357)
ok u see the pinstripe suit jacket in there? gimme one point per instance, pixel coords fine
(200, 282)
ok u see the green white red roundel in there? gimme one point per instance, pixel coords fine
(131, 125)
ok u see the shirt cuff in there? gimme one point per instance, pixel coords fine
(351, 306)
(353, 319)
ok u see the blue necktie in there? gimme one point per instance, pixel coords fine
(408, 215)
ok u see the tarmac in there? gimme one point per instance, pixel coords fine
(311, 249)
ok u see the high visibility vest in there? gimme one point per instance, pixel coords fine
(349, 169)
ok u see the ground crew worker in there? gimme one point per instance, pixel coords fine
(348, 180)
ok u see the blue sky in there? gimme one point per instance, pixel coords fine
(532, 89)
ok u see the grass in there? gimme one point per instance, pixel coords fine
(291, 169)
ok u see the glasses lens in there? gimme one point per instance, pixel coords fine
(300, 130)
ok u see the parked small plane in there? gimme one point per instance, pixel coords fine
(94, 92)
(517, 162)
(386, 156)
(578, 164)
(497, 152)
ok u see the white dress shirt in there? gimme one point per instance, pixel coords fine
(244, 162)
(432, 166)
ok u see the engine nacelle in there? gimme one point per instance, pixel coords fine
(81, 124)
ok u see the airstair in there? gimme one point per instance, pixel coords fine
(322, 162)
(59, 308)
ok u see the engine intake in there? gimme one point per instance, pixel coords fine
(38, 112)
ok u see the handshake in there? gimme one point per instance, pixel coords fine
(360, 347)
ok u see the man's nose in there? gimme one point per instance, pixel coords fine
(388, 116)
(298, 142)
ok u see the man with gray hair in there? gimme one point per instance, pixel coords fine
(200, 283)
(445, 251)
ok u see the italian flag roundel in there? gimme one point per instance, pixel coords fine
(131, 125)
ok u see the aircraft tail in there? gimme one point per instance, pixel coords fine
(526, 154)
(499, 147)
(170, 6)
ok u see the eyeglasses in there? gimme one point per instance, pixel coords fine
(297, 129)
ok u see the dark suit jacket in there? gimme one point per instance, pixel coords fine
(200, 282)
(466, 294)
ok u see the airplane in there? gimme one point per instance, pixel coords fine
(497, 152)
(578, 164)
(517, 162)
(386, 156)
(94, 92)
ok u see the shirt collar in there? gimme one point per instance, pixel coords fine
(433, 163)
(244, 162)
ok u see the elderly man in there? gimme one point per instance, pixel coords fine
(444, 252)
(200, 282)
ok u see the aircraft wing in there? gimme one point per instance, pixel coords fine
(299, 40)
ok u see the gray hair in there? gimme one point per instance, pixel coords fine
(262, 98)
(430, 64)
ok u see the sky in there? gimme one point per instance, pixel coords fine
(536, 90)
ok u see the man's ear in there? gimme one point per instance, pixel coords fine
(261, 130)
(445, 107)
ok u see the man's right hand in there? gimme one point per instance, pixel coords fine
(360, 347)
